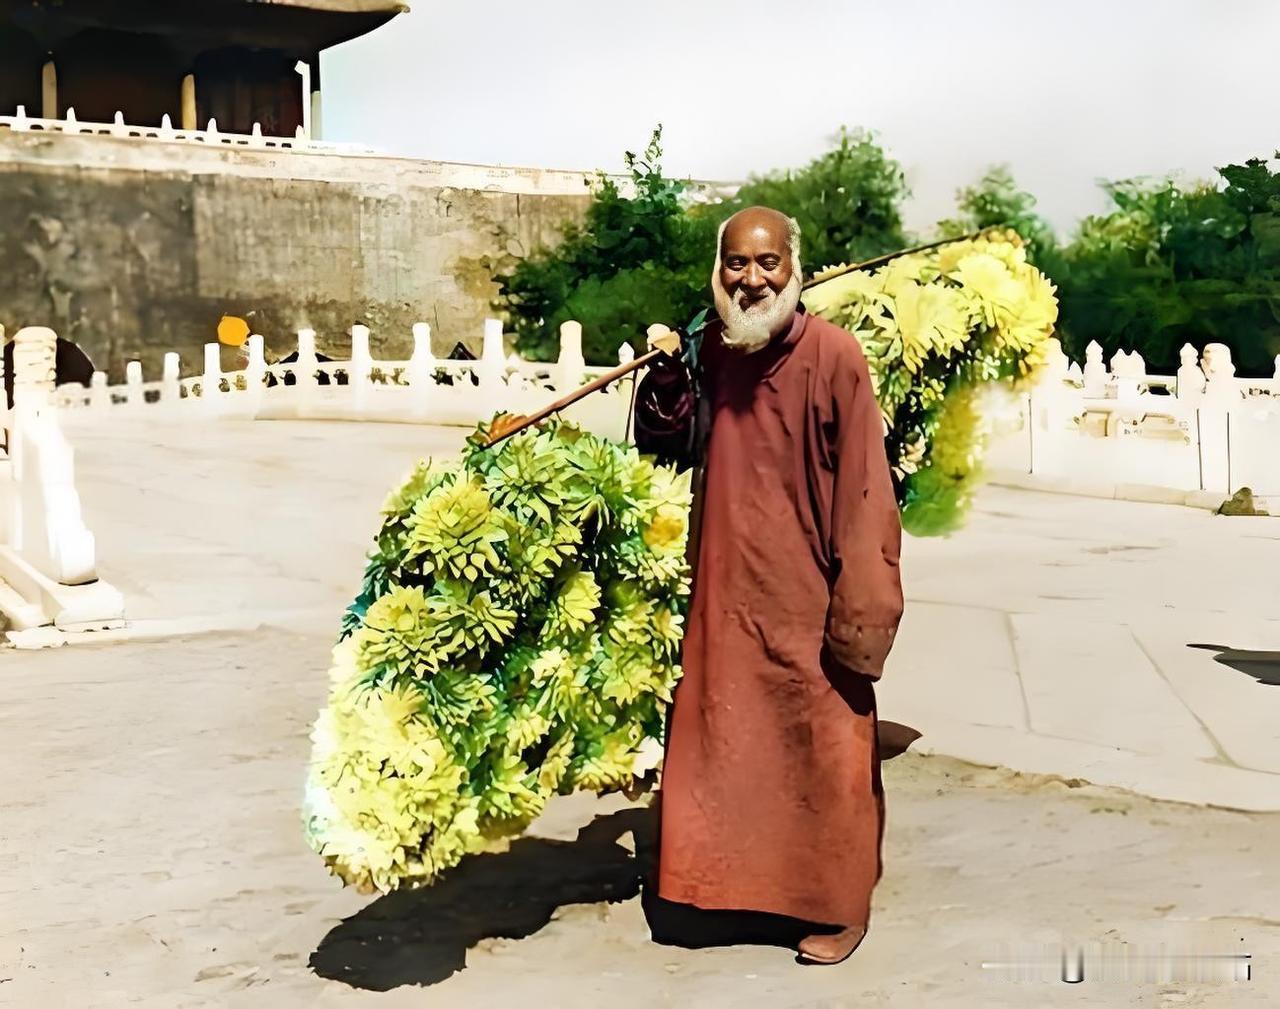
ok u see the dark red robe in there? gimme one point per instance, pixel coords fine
(771, 797)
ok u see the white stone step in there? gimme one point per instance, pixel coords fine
(96, 605)
(19, 614)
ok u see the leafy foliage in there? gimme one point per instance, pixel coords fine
(995, 201)
(635, 259)
(847, 201)
(515, 636)
(1173, 265)
(645, 256)
(936, 327)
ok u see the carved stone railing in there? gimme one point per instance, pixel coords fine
(48, 573)
(210, 136)
(420, 389)
(1203, 429)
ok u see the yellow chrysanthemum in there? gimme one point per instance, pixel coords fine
(667, 529)
(857, 288)
(1028, 324)
(991, 281)
(929, 318)
(900, 273)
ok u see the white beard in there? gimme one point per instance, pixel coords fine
(750, 329)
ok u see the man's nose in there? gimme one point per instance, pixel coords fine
(753, 277)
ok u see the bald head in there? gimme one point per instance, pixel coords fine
(756, 280)
(761, 222)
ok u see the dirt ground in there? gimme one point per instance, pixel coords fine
(153, 853)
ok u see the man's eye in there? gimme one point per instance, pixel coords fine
(771, 264)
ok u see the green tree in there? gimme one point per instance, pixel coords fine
(1171, 265)
(636, 258)
(848, 201)
(996, 200)
(645, 255)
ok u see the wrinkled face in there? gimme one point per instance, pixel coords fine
(755, 261)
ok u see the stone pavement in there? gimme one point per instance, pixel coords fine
(153, 858)
(151, 835)
(1126, 644)
(235, 524)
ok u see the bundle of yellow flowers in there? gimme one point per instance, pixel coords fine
(937, 327)
(516, 636)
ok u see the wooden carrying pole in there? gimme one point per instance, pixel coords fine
(840, 271)
(668, 342)
(664, 341)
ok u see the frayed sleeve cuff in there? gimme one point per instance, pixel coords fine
(862, 648)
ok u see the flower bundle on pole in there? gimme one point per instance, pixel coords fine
(938, 327)
(516, 636)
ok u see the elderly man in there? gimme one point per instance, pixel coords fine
(771, 798)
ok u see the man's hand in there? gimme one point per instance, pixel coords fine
(502, 425)
(659, 337)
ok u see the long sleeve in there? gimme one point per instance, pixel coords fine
(866, 532)
(665, 412)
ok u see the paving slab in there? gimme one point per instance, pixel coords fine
(1236, 706)
(226, 520)
(953, 662)
(1168, 777)
(1092, 682)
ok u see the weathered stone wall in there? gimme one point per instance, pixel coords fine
(134, 247)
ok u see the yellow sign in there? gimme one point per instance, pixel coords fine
(232, 330)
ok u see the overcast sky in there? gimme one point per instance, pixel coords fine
(1064, 92)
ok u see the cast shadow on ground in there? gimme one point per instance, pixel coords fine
(1262, 666)
(421, 937)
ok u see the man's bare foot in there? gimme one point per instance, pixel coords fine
(832, 948)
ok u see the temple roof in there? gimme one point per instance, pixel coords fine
(344, 6)
(298, 26)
